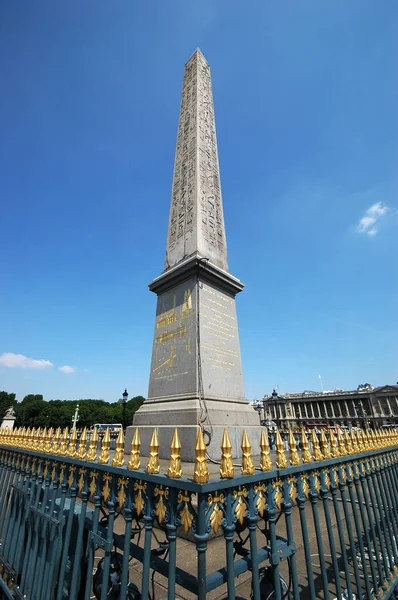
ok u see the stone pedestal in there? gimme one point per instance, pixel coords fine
(196, 371)
(8, 422)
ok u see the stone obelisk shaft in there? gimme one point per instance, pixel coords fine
(196, 223)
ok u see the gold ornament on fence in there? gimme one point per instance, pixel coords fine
(105, 455)
(340, 443)
(201, 471)
(226, 466)
(27, 438)
(294, 457)
(14, 438)
(334, 451)
(43, 440)
(37, 440)
(64, 442)
(281, 460)
(134, 462)
(56, 441)
(348, 443)
(92, 446)
(360, 444)
(325, 446)
(364, 437)
(71, 451)
(247, 459)
(48, 441)
(305, 449)
(81, 451)
(175, 470)
(315, 447)
(118, 457)
(265, 455)
(354, 442)
(22, 434)
(153, 465)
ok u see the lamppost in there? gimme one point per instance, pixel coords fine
(125, 395)
(275, 402)
(259, 408)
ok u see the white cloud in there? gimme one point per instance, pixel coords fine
(367, 223)
(11, 361)
(67, 369)
(378, 209)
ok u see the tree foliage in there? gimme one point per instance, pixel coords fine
(34, 411)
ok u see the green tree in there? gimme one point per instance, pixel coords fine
(132, 406)
(32, 412)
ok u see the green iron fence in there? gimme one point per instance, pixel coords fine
(321, 522)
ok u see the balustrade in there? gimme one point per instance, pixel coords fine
(320, 521)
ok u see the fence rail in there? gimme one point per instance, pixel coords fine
(320, 523)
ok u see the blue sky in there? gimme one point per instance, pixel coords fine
(305, 101)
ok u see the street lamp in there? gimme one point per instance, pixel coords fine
(125, 395)
(275, 401)
(259, 408)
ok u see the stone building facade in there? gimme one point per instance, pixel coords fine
(374, 407)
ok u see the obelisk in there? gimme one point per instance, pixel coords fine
(196, 371)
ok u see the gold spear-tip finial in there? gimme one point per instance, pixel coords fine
(334, 451)
(63, 446)
(175, 470)
(153, 465)
(281, 460)
(325, 446)
(92, 446)
(57, 441)
(105, 454)
(81, 451)
(354, 442)
(341, 443)
(294, 457)
(118, 457)
(37, 440)
(315, 446)
(247, 459)
(369, 441)
(29, 438)
(360, 443)
(71, 451)
(48, 441)
(226, 466)
(43, 440)
(348, 443)
(201, 471)
(134, 461)
(265, 454)
(306, 455)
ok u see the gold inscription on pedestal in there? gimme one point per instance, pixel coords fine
(174, 337)
(219, 322)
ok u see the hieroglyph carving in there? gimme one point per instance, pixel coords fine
(196, 215)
